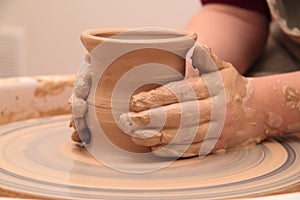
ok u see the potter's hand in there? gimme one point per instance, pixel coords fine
(78, 103)
(206, 130)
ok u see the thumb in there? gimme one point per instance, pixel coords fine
(205, 61)
(190, 71)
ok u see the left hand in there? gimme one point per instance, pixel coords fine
(207, 130)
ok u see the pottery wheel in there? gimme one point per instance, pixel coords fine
(38, 158)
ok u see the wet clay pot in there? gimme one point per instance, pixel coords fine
(124, 62)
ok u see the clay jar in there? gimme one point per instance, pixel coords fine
(124, 62)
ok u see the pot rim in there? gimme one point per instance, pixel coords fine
(92, 37)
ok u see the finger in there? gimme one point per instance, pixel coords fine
(205, 61)
(190, 71)
(79, 107)
(79, 124)
(186, 135)
(81, 132)
(180, 114)
(177, 150)
(82, 136)
(184, 150)
(185, 90)
(146, 137)
(75, 137)
(82, 82)
(72, 122)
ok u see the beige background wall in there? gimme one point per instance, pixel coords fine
(47, 31)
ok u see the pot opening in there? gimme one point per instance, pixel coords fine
(141, 35)
(182, 38)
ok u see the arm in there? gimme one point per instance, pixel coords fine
(236, 35)
(256, 109)
(278, 99)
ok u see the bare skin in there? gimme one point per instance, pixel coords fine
(236, 35)
(256, 108)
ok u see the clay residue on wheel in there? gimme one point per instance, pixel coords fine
(8, 117)
(33, 97)
(51, 87)
(17, 195)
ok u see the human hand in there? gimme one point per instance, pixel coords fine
(82, 84)
(221, 119)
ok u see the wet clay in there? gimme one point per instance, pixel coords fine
(292, 97)
(50, 87)
(33, 97)
(113, 73)
(246, 122)
(244, 125)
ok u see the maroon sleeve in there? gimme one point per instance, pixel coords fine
(260, 6)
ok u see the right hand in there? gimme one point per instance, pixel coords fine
(204, 132)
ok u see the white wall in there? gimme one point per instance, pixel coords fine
(52, 27)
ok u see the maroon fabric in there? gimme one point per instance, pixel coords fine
(255, 5)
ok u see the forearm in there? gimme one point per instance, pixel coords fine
(234, 34)
(277, 97)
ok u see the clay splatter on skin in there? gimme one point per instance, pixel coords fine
(249, 92)
(273, 120)
(292, 97)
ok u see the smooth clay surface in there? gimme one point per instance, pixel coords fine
(160, 47)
